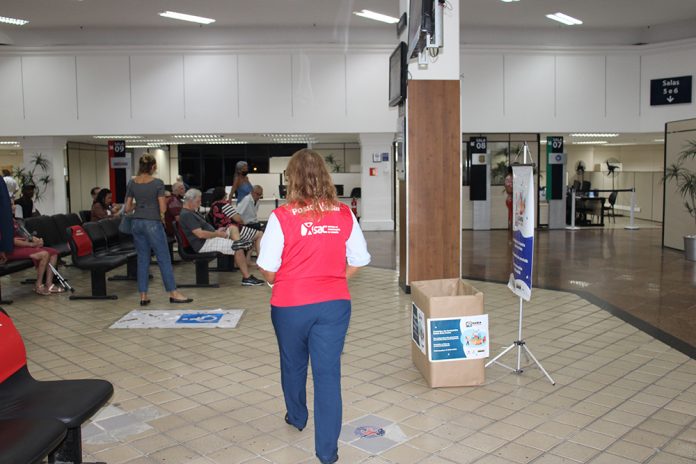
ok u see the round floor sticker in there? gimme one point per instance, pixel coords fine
(369, 431)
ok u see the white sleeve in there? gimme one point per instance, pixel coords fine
(272, 244)
(356, 247)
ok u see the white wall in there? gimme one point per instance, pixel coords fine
(519, 89)
(376, 209)
(75, 91)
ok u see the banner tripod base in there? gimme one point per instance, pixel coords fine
(521, 345)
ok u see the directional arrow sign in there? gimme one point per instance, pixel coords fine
(670, 90)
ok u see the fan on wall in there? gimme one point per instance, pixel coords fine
(613, 170)
(580, 170)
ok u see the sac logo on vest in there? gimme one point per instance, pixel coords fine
(308, 228)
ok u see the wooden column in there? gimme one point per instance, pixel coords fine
(430, 197)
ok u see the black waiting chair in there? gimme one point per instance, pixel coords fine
(85, 215)
(201, 260)
(101, 247)
(611, 200)
(115, 240)
(72, 402)
(47, 229)
(29, 440)
(84, 258)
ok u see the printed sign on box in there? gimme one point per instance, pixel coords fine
(418, 328)
(457, 338)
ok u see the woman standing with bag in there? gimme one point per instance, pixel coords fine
(145, 195)
(310, 247)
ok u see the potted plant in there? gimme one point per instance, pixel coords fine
(685, 180)
(29, 175)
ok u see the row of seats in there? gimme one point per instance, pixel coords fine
(41, 418)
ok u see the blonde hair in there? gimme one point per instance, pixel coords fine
(309, 182)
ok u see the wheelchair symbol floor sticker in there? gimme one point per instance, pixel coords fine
(180, 319)
(372, 434)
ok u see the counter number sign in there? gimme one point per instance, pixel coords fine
(478, 144)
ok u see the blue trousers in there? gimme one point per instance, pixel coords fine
(149, 235)
(316, 332)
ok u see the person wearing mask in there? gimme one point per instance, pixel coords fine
(29, 247)
(145, 195)
(204, 238)
(174, 205)
(26, 201)
(241, 186)
(311, 246)
(248, 208)
(223, 215)
(102, 207)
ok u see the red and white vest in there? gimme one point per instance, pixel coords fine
(313, 266)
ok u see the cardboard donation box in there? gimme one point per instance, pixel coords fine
(450, 338)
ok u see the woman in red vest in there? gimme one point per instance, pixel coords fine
(310, 247)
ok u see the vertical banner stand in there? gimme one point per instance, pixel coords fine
(572, 225)
(523, 246)
(631, 225)
(520, 344)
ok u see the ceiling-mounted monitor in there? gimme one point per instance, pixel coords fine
(420, 25)
(398, 75)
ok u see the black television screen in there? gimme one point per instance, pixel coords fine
(398, 73)
(420, 23)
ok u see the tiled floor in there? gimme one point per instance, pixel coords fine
(213, 396)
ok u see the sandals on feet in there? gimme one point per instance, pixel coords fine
(56, 289)
(41, 290)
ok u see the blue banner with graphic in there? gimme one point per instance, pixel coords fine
(523, 214)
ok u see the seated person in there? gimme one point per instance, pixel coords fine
(27, 246)
(174, 205)
(248, 208)
(26, 201)
(102, 207)
(223, 215)
(204, 238)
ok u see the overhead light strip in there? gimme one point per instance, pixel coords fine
(564, 18)
(117, 137)
(376, 16)
(591, 142)
(186, 17)
(13, 21)
(8, 142)
(594, 135)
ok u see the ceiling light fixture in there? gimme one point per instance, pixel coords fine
(8, 143)
(509, 1)
(376, 16)
(595, 135)
(565, 19)
(186, 17)
(591, 142)
(117, 137)
(13, 21)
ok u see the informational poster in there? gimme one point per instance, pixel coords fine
(418, 328)
(523, 204)
(457, 338)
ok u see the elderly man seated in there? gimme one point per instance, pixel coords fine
(204, 238)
